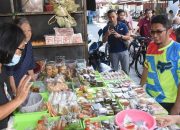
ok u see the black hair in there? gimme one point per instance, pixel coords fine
(141, 13)
(20, 20)
(111, 11)
(120, 11)
(147, 10)
(161, 19)
(170, 11)
(10, 38)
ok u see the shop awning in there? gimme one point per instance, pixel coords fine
(102, 1)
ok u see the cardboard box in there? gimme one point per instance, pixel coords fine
(58, 39)
(67, 39)
(49, 39)
(63, 31)
(77, 38)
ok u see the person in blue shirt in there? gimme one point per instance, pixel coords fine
(26, 64)
(116, 34)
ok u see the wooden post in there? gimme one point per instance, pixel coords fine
(12, 8)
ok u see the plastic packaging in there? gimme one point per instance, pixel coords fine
(32, 5)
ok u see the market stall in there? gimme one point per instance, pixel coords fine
(45, 17)
(69, 95)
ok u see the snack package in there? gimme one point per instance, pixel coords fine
(77, 38)
(64, 31)
(49, 39)
(32, 5)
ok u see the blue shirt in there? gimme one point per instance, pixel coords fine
(116, 44)
(26, 63)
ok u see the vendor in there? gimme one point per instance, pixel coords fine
(26, 64)
(11, 46)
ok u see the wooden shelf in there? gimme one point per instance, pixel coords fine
(5, 14)
(59, 45)
(34, 13)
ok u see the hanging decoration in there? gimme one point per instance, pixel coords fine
(62, 10)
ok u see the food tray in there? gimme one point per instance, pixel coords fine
(45, 96)
(100, 118)
(23, 121)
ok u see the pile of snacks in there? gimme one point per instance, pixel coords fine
(98, 124)
(88, 77)
(63, 103)
(97, 95)
(58, 124)
(56, 84)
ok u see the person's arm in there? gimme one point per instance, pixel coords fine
(106, 33)
(144, 76)
(8, 108)
(105, 37)
(22, 93)
(137, 29)
(125, 36)
(12, 84)
(176, 108)
(164, 121)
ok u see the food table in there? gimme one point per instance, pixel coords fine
(70, 95)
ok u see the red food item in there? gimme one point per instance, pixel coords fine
(81, 88)
(81, 115)
(130, 126)
(40, 121)
(87, 122)
(96, 124)
(87, 128)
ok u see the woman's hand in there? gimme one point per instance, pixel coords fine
(23, 89)
(21, 95)
(164, 121)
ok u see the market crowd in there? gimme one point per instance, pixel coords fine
(161, 73)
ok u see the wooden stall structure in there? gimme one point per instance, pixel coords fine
(9, 9)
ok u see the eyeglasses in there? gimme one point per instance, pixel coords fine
(157, 32)
(21, 49)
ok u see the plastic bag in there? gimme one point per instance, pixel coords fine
(32, 5)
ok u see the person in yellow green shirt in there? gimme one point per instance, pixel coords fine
(161, 72)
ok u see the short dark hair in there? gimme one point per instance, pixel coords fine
(111, 11)
(10, 38)
(20, 20)
(162, 19)
(120, 11)
(147, 10)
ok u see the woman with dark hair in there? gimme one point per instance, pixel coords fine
(11, 46)
(26, 64)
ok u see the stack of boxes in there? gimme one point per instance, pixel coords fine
(63, 36)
